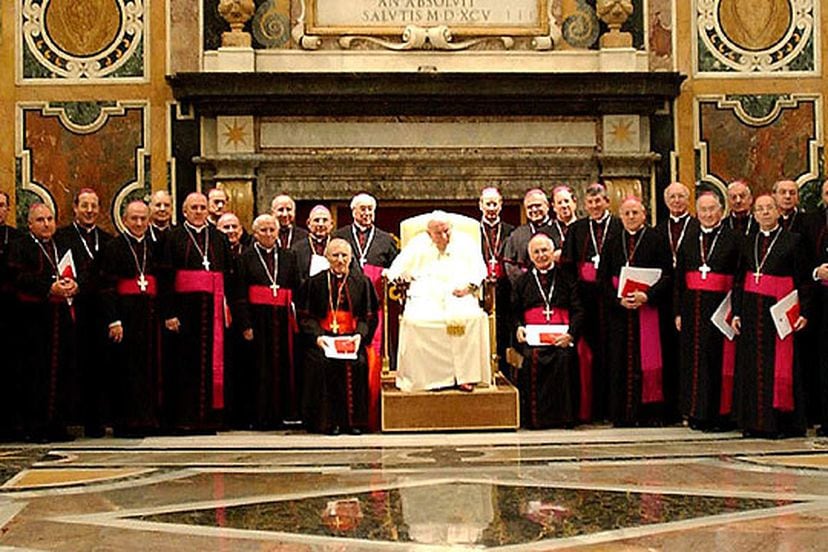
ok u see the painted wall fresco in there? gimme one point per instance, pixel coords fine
(760, 139)
(756, 36)
(82, 40)
(660, 37)
(63, 147)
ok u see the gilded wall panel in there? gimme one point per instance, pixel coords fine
(757, 36)
(65, 146)
(759, 138)
(81, 40)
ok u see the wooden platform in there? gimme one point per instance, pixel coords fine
(489, 408)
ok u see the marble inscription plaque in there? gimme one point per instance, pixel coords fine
(382, 16)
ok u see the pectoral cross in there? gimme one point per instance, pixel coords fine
(704, 269)
(492, 264)
(142, 283)
(335, 326)
(596, 260)
(275, 288)
(547, 312)
(205, 262)
(756, 276)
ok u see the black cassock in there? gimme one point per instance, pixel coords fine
(585, 235)
(493, 239)
(675, 232)
(817, 228)
(10, 395)
(548, 378)
(761, 405)
(304, 250)
(46, 333)
(515, 253)
(634, 398)
(336, 391)
(702, 346)
(377, 246)
(194, 372)
(266, 389)
(91, 404)
(135, 362)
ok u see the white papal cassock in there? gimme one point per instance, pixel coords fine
(432, 353)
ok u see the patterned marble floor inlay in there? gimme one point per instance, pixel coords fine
(463, 513)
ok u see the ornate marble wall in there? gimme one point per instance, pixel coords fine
(116, 53)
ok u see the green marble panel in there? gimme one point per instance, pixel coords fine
(479, 514)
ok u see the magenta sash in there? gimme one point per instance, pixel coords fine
(129, 286)
(535, 316)
(649, 339)
(718, 283)
(587, 272)
(778, 287)
(201, 281)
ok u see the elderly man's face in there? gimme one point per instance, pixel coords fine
(787, 195)
(363, 214)
(541, 251)
(136, 219)
(42, 222)
(87, 209)
(739, 198)
(766, 212)
(632, 215)
(231, 227)
(284, 210)
(339, 257)
(195, 210)
(320, 223)
(537, 207)
(161, 209)
(709, 211)
(491, 205)
(564, 205)
(216, 203)
(440, 234)
(677, 199)
(266, 233)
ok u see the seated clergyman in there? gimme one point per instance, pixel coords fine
(444, 332)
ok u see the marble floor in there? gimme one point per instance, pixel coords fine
(588, 489)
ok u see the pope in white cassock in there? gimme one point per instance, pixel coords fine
(444, 334)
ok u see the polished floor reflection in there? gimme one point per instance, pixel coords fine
(593, 488)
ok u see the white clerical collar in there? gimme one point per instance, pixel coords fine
(88, 230)
(706, 230)
(570, 221)
(361, 228)
(679, 218)
(196, 229)
(264, 249)
(492, 223)
(634, 232)
(545, 271)
(767, 233)
(602, 218)
(161, 228)
(139, 239)
(791, 213)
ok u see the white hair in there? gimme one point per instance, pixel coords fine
(261, 219)
(363, 199)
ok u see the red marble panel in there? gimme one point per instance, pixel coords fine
(63, 161)
(761, 155)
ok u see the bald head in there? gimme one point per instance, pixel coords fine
(195, 209)
(541, 250)
(491, 203)
(136, 218)
(677, 198)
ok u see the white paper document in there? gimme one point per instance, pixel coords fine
(544, 335)
(66, 266)
(723, 315)
(633, 278)
(318, 264)
(785, 314)
(342, 347)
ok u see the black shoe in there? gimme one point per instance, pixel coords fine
(334, 431)
(355, 431)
